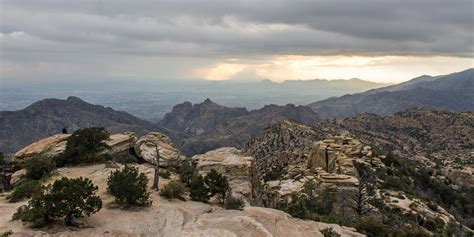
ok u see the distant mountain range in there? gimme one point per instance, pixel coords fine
(454, 92)
(195, 128)
(152, 99)
(204, 126)
(208, 125)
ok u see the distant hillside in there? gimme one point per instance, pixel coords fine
(209, 126)
(416, 131)
(454, 92)
(47, 117)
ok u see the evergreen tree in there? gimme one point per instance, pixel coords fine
(198, 190)
(65, 198)
(129, 187)
(83, 145)
(218, 184)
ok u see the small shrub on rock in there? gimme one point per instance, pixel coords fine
(218, 184)
(235, 203)
(330, 232)
(129, 187)
(39, 167)
(25, 190)
(174, 189)
(186, 173)
(198, 191)
(165, 174)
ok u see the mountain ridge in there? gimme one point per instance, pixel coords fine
(454, 92)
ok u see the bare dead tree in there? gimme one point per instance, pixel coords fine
(156, 177)
(360, 199)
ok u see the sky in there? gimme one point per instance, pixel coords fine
(379, 40)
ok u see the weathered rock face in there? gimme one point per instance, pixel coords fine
(120, 143)
(55, 145)
(146, 148)
(17, 177)
(338, 154)
(50, 146)
(282, 145)
(239, 169)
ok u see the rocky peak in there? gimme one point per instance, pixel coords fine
(280, 145)
(199, 118)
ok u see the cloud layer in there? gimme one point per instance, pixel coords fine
(80, 34)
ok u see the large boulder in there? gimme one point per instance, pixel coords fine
(120, 143)
(337, 155)
(146, 148)
(50, 146)
(229, 161)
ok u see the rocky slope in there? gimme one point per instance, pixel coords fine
(436, 134)
(48, 117)
(454, 92)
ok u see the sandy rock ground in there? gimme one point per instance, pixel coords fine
(166, 218)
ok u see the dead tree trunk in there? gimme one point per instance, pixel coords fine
(156, 178)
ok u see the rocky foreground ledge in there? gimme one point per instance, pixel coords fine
(167, 218)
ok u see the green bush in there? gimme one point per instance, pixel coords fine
(372, 226)
(217, 184)
(186, 173)
(165, 174)
(39, 167)
(198, 191)
(274, 174)
(174, 189)
(129, 187)
(25, 190)
(330, 232)
(65, 198)
(83, 145)
(235, 203)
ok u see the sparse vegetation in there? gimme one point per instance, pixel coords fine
(83, 146)
(274, 174)
(235, 203)
(186, 173)
(65, 198)
(25, 190)
(217, 184)
(39, 167)
(174, 189)
(129, 187)
(165, 174)
(330, 232)
(198, 191)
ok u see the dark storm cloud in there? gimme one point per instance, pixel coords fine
(84, 31)
(267, 27)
